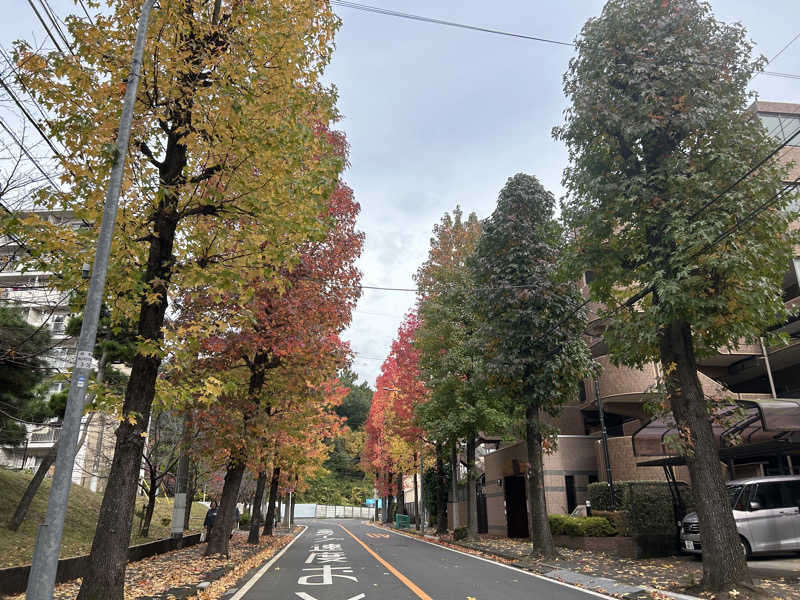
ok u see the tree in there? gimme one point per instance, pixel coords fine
(530, 324)
(355, 406)
(223, 142)
(656, 130)
(161, 454)
(22, 369)
(451, 358)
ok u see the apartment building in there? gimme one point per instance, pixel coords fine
(44, 306)
(765, 380)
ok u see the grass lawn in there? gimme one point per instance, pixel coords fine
(16, 547)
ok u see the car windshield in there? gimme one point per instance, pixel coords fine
(734, 495)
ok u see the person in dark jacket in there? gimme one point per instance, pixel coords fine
(211, 516)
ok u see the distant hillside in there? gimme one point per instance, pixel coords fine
(16, 547)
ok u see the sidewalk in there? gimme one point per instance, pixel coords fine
(186, 572)
(632, 579)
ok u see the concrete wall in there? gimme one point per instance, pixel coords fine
(623, 463)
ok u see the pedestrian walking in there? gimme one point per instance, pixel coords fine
(211, 516)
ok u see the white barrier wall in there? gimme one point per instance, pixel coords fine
(324, 511)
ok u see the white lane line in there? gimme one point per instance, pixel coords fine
(499, 564)
(252, 581)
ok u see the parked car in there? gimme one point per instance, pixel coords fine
(767, 514)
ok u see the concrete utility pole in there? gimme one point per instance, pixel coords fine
(181, 484)
(42, 577)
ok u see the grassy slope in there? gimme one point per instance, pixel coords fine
(16, 547)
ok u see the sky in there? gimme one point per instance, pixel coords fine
(438, 117)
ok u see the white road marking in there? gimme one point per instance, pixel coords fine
(252, 581)
(499, 564)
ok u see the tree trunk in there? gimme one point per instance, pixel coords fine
(441, 491)
(401, 496)
(151, 506)
(258, 499)
(273, 496)
(104, 577)
(724, 564)
(226, 515)
(34, 484)
(416, 495)
(191, 490)
(292, 501)
(541, 538)
(390, 507)
(454, 484)
(33, 487)
(472, 498)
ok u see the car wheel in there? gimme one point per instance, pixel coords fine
(745, 548)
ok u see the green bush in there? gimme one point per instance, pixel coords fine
(557, 523)
(599, 494)
(648, 505)
(459, 533)
(597, 527)
(581, 526)
(244, 521)
(620, 520)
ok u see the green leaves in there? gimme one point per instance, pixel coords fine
(657, 129)
(529, 315)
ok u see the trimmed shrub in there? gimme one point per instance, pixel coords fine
(581, 526)
(599, 494)
(597, 527)
(619, 519)
(648, 505)
(244, 521)
(460, 533)
(557, 523)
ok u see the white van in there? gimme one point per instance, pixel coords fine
(767, 513)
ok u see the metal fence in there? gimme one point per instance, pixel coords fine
(324, 511)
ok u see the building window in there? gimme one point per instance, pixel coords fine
(781, 127)
(59, 324)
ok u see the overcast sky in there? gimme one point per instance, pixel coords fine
(438, 117)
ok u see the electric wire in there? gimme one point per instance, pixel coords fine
(434, 21)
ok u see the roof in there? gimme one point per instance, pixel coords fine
(737, 427)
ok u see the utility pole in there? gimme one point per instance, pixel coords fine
(42, 577)
(181, 485)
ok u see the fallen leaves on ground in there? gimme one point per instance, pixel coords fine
(184, 568)
(675, 573)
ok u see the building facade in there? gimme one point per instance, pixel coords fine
(41, 305)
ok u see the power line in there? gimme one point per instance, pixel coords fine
(47, 30)
(782, 50)
(402, 15)
(424, 19)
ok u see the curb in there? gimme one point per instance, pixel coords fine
(601, 585)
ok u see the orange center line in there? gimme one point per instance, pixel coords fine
(405, 580)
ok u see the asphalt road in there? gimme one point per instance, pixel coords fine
(348, 559)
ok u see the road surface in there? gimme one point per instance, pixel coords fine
(349, 559)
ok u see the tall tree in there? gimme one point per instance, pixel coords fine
(657, 131)
(451, 358)
(530, 324)
(223, 130)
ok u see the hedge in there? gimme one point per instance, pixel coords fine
(581, 526)
(648, 504)
(620, 520)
